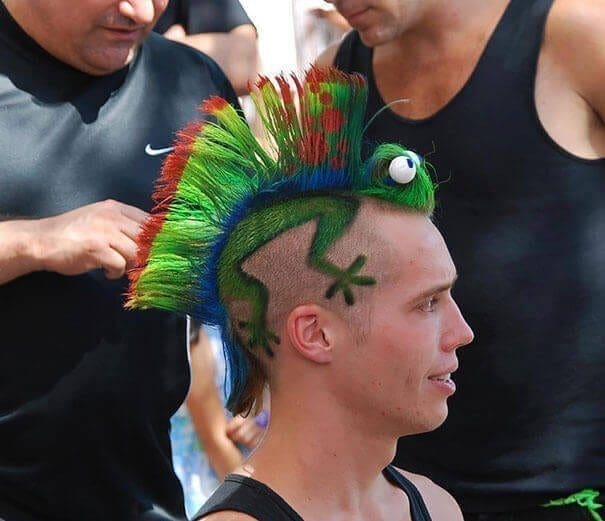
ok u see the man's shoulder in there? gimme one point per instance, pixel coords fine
(572, 24)
(179, 62)
(158, 46)
(576, 13)
(575, 42)
(440, 503)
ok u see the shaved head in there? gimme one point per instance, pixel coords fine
(282, 266)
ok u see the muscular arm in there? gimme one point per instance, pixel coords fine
(235, 51)
(574, 56)
(576, 32)
(99, 235)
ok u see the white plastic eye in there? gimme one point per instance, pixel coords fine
(403, 168)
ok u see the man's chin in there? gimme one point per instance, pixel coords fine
(373, 36)
(109, 62)
(429, 423)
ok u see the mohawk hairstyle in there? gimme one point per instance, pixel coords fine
(221, 197)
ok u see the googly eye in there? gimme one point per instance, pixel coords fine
(403, 168)
(415, 157)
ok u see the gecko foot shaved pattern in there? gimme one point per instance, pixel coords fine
(259, 335)
(349, 277)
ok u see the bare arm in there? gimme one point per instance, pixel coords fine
(207, 412)
(571, 73)
(326, 58)
(17, 253)
(100, 235)
(236, 51)
(575, 31)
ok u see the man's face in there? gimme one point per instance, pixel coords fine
(378, 21)
(398, 375)
(95, 36)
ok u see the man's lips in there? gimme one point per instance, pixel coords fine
(355, 17)
(124, 33)
(444, 373)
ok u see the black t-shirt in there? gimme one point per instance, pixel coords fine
(86, 388)
(525, 223)
(203, 16)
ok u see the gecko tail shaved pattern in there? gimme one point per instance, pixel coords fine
(221, 196)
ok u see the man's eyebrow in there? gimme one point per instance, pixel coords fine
(437, 289)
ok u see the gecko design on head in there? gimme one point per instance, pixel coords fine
(222, 196)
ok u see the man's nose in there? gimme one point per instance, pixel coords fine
(142, 12)
(460, 333)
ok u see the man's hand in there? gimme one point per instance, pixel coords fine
(100, 235)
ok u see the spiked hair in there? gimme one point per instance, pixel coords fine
(221, 196)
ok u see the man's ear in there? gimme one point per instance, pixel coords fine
(311, 331)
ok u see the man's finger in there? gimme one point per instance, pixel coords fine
(126, 247)
(112, 263)
(134, 213)
(130, 228)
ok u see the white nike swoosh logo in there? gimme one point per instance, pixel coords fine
(157, 151)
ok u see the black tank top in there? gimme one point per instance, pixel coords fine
(525, 223)
(256, 499)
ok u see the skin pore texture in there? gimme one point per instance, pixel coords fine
(95, 36)
(425, 52)
(336, 378)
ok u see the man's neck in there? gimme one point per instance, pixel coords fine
(314, 450)
(442, 23)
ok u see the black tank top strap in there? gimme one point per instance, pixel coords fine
(515, 43)
(418, 508)
(248, 496)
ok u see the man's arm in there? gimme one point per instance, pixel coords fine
(575, 30)
(17, 252)
(207, 412)
(326, 58)
(569, 97)
(235, 51)
(100, 235)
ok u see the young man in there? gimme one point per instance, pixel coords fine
(507, 98)
(330, 284)
(89, 107)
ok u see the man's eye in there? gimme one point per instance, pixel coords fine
(429, 304)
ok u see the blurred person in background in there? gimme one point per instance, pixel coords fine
(219, 28)
(90, 103)
(317, 25)
(507, 99)
(207, 442)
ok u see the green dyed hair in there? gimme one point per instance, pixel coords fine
(221, 197)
